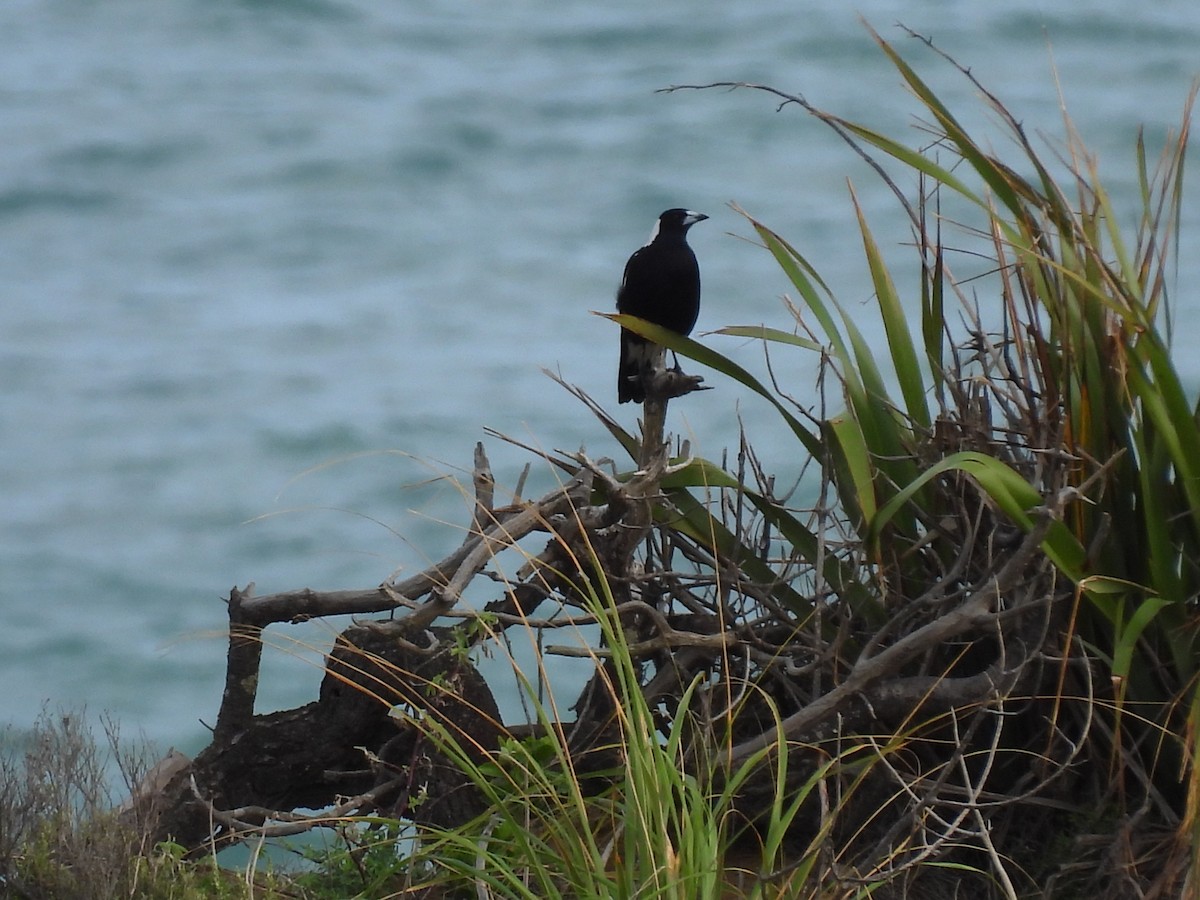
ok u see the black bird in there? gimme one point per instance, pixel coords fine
(661, 285)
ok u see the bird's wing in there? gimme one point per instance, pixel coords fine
(632, 264)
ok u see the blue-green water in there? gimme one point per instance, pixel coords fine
(267, 268)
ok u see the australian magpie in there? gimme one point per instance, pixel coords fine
(661, 285)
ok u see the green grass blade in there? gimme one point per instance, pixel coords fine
(770, 335)
(1012, 493)
(856, 484)
(899, 338)
(1104, 591)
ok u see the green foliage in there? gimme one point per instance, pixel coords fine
(1079, 422)
(365, 861)
(62, 835)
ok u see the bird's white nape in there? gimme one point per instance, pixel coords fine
(653, 232)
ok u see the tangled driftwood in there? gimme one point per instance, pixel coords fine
(957, 666)
(346, 752)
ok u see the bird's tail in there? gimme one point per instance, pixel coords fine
(638, 358)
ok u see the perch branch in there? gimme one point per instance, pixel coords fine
(450, 574)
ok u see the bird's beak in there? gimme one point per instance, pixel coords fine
(693, 217)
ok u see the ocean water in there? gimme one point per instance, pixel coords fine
(268, 268)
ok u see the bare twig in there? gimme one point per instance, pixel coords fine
(251, 821)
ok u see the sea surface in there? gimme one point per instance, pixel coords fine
(269, 268)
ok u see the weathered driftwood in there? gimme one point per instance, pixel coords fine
(348, 751)
(348, 743)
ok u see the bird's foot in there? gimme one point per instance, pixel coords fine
(667, 384)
